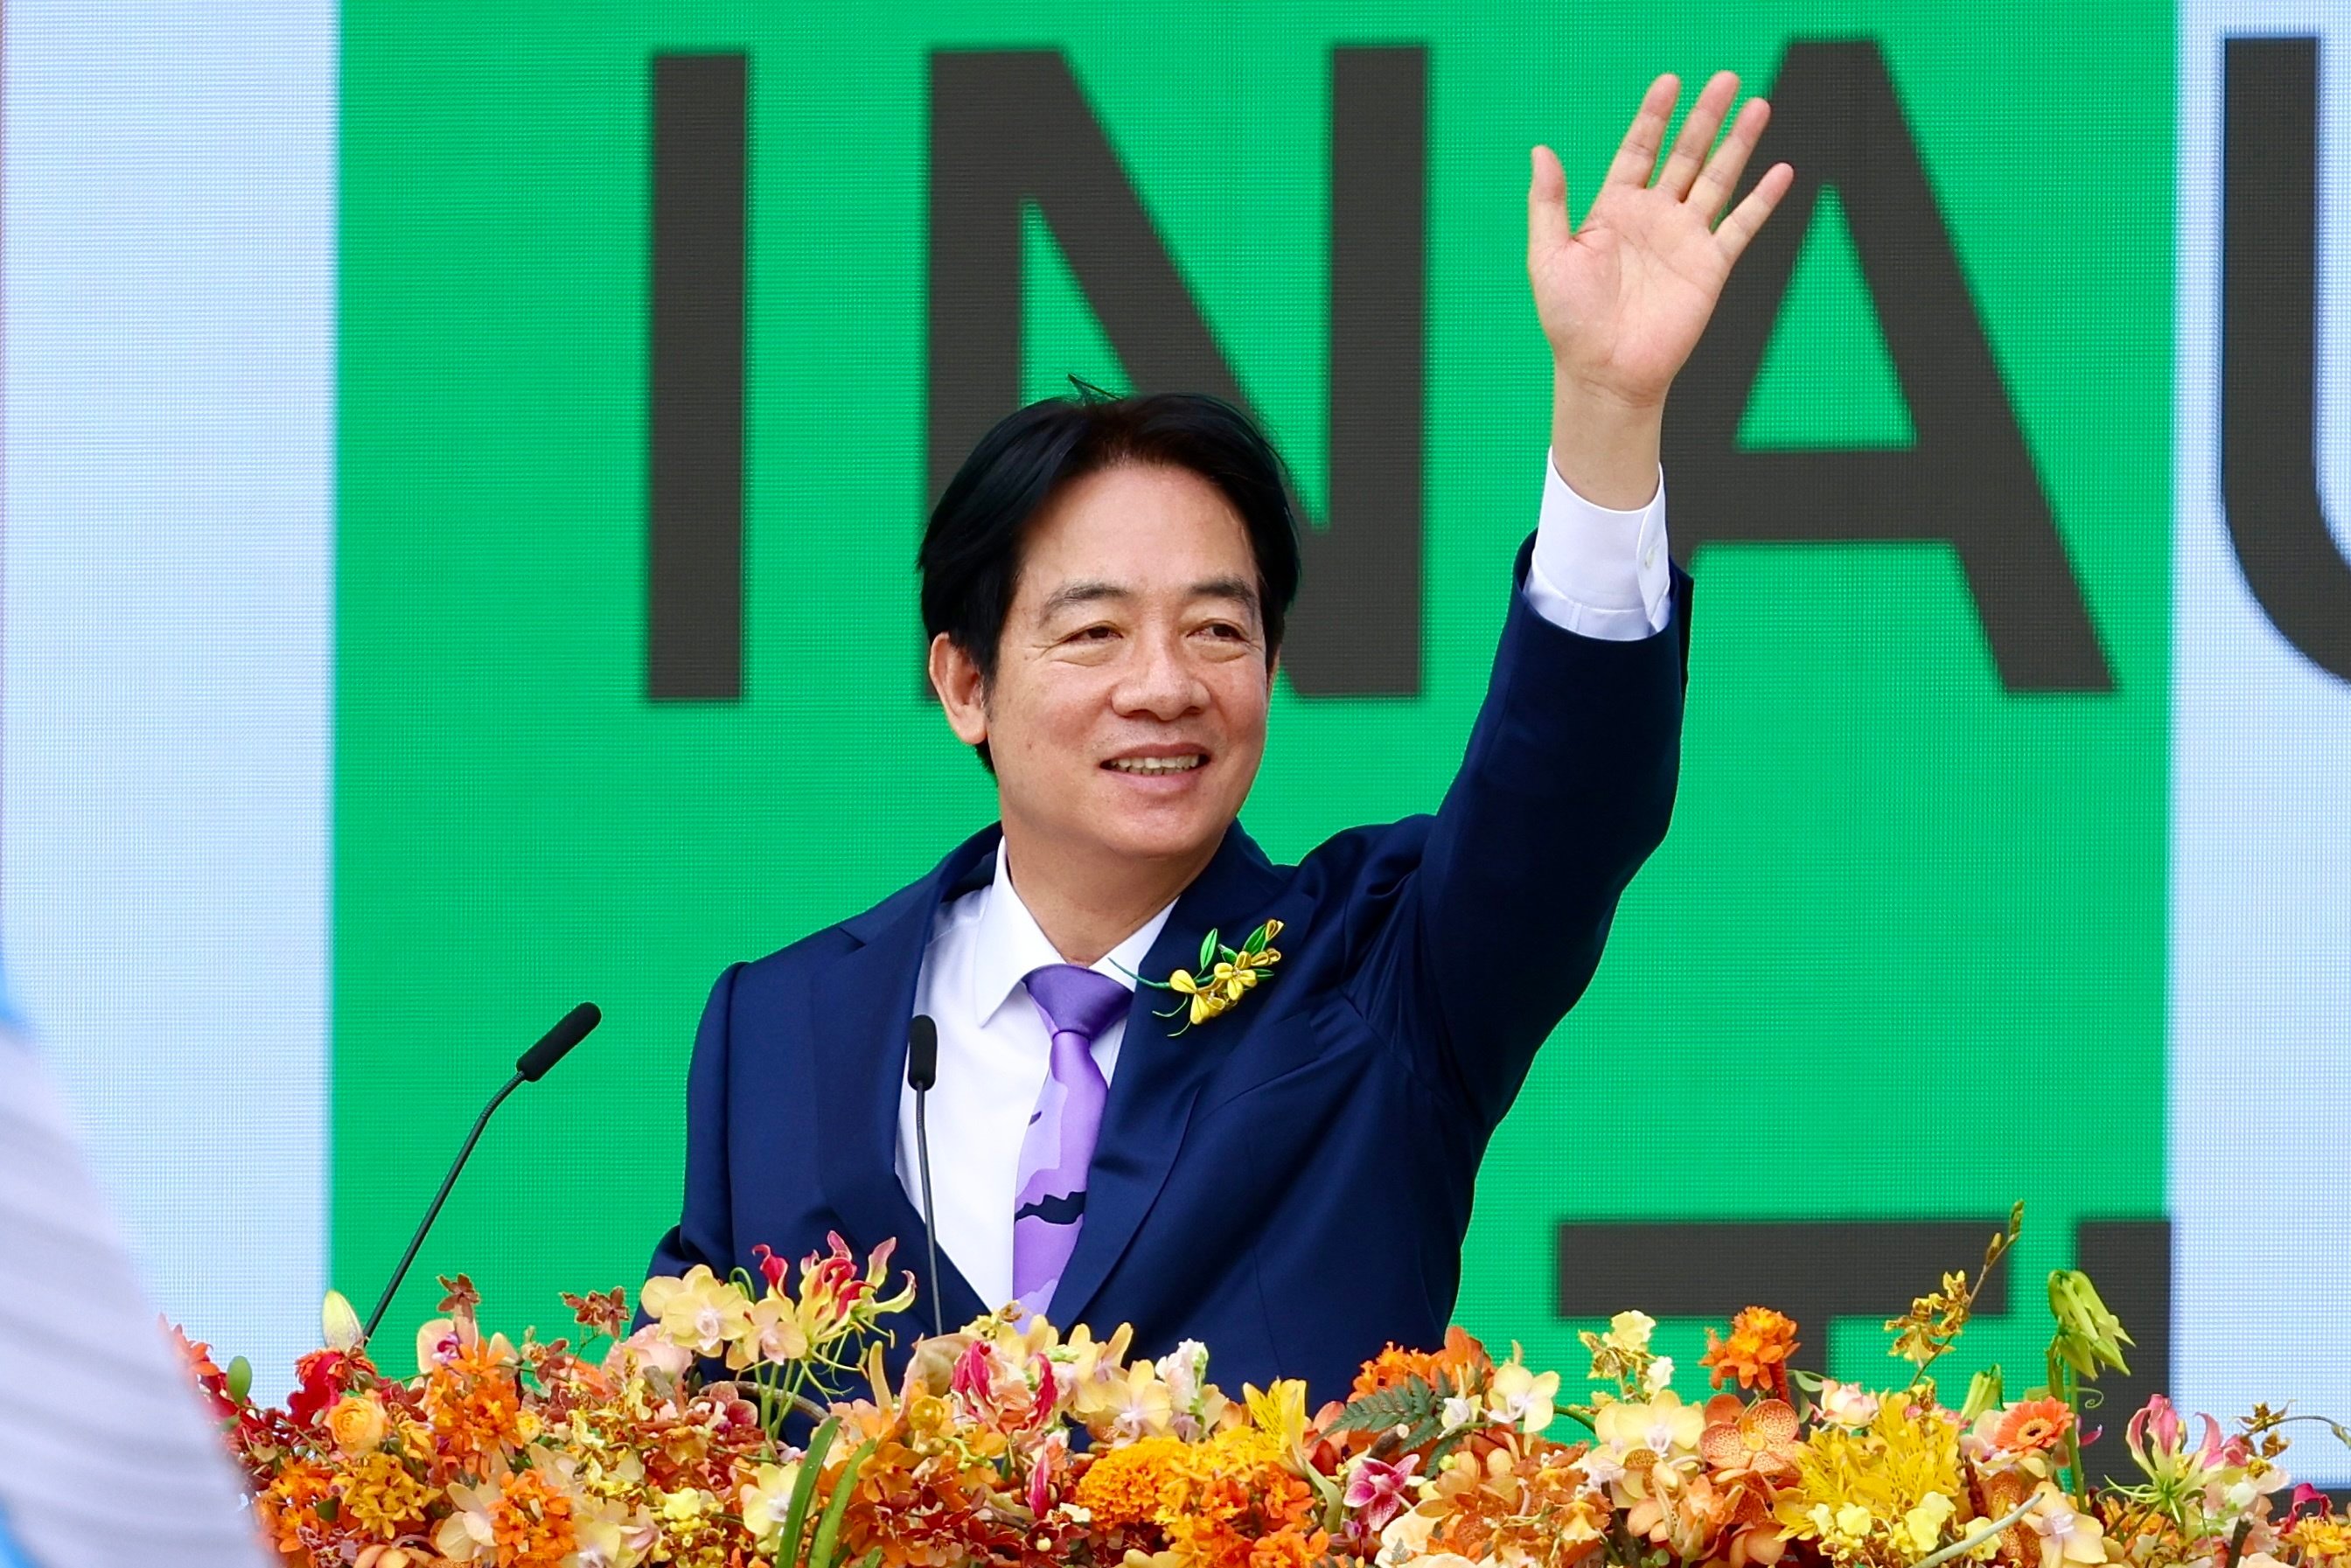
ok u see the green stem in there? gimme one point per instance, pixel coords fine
(2067, 1385)
(1966, 1544)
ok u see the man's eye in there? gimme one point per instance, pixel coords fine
(1095, 633)
(1226, 628)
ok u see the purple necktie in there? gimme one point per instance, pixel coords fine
(1078, 1005)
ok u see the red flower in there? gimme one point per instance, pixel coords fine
(320, 1382)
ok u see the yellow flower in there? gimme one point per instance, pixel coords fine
(776, 1334)
(1663, 1425)
(766, 1497)
(1206, 1004)
(2065, 1536)
(1280, 1412)
(1521, 1396)
(1859, 1489)
(702, 1313)
(1630, 1330)
(1924, 1524)
(383, 1499)
(1123, 1406)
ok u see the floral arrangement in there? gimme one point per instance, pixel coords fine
(1011, 1445)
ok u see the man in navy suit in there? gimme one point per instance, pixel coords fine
(1288, 1179)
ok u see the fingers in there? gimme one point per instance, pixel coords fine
(1636, 160)
(1715, 182)
(1547, 229)
(1698, 134)
(1746, 217)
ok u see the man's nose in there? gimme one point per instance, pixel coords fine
(1161, 681)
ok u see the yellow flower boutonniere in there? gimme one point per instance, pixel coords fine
(1224, 977)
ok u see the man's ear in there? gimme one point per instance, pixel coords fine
(956, 677)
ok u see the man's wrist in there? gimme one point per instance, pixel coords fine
(1604, 444)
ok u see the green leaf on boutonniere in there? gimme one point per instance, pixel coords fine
(1207, 949)
(1256, 940)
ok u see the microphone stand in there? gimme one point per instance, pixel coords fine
(922, 1071)
(439, 1198)
(529, 1068)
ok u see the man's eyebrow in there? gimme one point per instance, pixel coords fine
(1083, 591)
(1090, 591)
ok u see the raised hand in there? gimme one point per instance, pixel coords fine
(1624, 298)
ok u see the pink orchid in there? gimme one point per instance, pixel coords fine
(1376, 1489)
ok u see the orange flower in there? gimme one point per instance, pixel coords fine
(474, 1406)
(1760, 1437)
(532, 1524)
(1456, 1366)
(1233, 1503)
(290, 1505)
(1531, 1507)
(1757, 1352)
(2032, 1425)
(1392, 1368)
(1130, 1485)
(357, 1424)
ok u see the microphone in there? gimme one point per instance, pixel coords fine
(922, 1071)
(529, 1068)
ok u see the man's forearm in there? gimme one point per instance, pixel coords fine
(1604, 447)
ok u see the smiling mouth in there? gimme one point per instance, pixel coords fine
(1151, 766)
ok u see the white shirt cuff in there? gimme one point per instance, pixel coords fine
(1597, 571)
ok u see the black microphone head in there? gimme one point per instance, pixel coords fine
(922, 1052)
(568, 1030)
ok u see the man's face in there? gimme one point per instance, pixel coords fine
(1127, 714)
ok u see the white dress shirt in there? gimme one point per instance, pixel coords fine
(1596, 572)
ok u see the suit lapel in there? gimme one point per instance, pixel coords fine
(1160, 1073)
(858, 1012)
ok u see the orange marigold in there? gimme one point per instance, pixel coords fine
(1757, 1352)
(1131, 1485)
(1233, 1495)
(532, 1524)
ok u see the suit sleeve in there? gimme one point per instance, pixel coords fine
(1565, 787)
(705, 1232)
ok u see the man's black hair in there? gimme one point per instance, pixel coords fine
(970, 559)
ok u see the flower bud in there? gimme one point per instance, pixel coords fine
(340, 1323)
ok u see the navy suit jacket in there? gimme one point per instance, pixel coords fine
(1290, 1182)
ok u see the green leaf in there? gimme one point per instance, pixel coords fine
(240, 1379)
(1409, 1403)
(1207, 949)
(828, 1530)
(1256, 943)
(788, 1545)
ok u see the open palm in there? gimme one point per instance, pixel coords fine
(1624, 298)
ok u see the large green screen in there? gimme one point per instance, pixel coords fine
(1901, 957)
